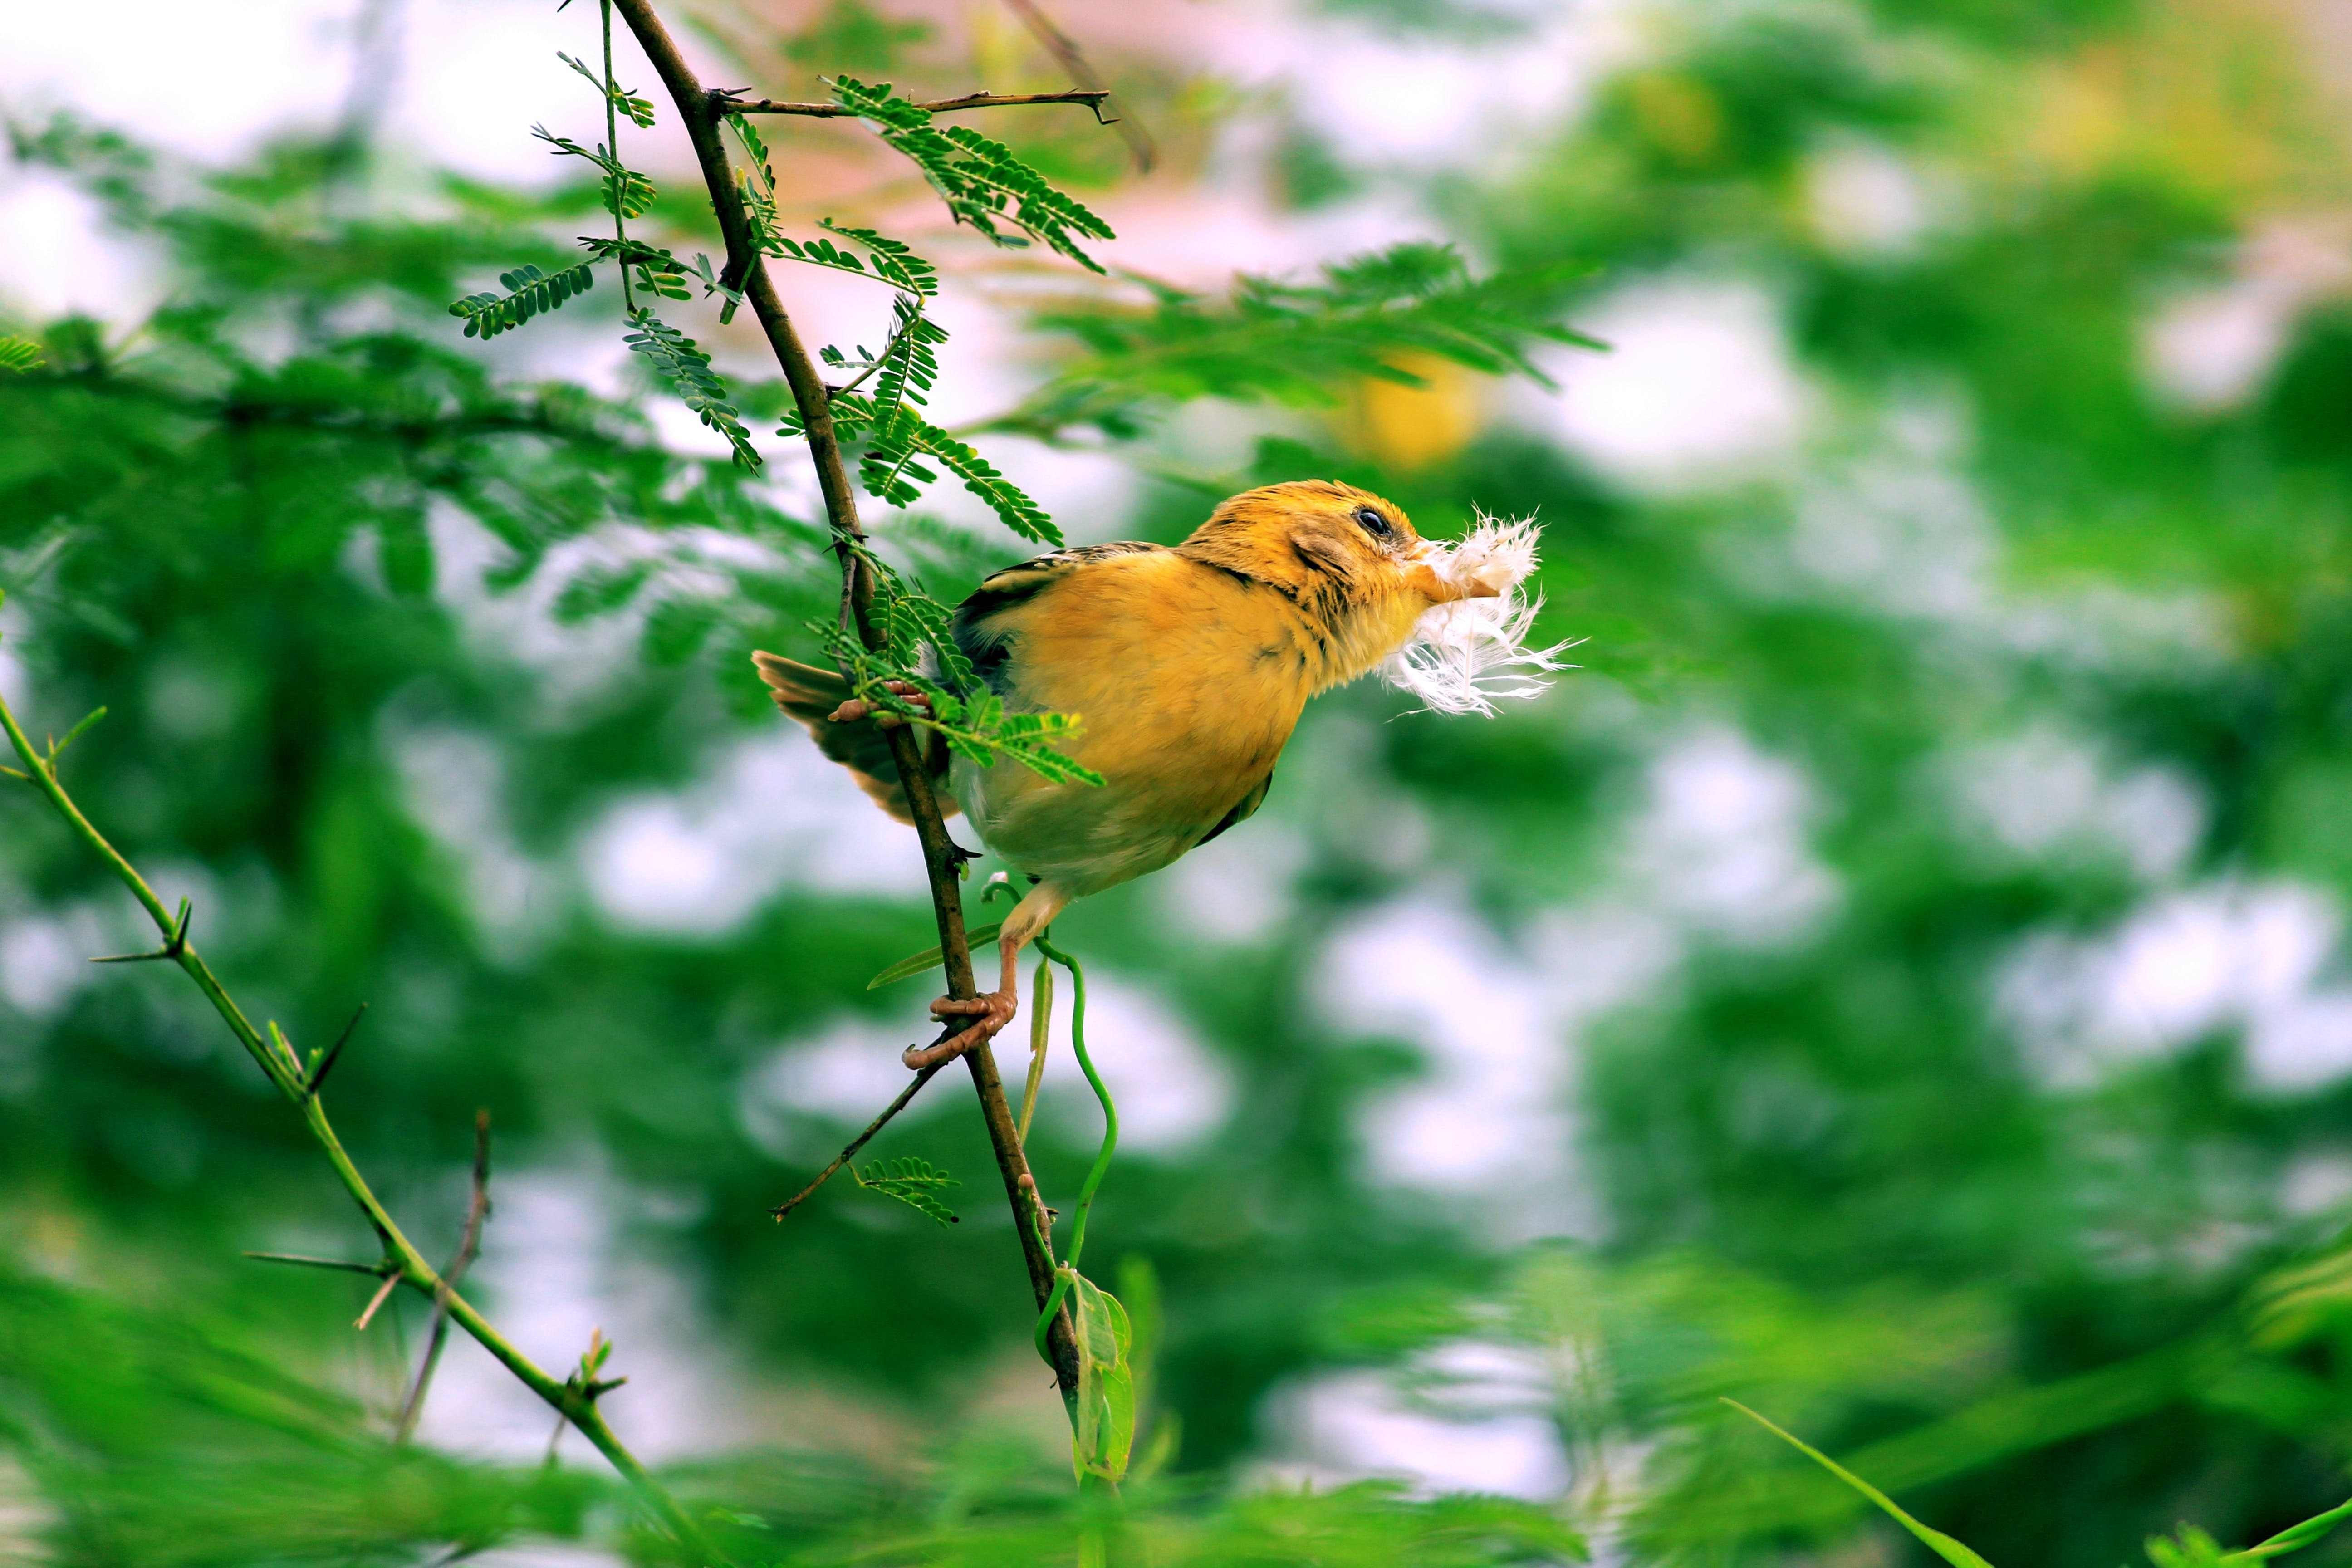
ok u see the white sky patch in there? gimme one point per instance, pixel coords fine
(1425, 100)
(61, 257)
(1699, 388)
(2209, 348)
(1425, 970)
(1865, 200)
(45, 959)
(1721, 846)
(217, 95)
(455, 786)
(771, 813)
(2226, 956)
(1169, 1088)
(553, 1274)
(2044, 793)
(1239, 888)
(1477, 1421)
(848, 1071)
(1901, 530)
(2316, 1183)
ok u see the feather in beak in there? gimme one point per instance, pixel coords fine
(1469, 648)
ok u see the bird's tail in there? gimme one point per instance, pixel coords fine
(810, 695)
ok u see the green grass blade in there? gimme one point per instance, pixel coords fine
(1935, 1541)
(929, 957)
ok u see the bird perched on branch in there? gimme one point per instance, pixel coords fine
(1188, 667)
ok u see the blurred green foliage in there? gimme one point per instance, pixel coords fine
(1824, 1163)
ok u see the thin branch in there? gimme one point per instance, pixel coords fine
(1065, 49)
(411, 1270)
(470, 1247)
(701, 111)
(898, 1105)
(1091, 97)
(380, 1269)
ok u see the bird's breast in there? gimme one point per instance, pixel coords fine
(1187, 682)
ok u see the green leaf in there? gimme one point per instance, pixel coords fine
(637, 108)
(889, 469)
(599, 590)
(20, 354)
(529, 292)
(915, 1183)
(676, 628)
(1935, 1541)
(404, 551)
(688, 369)
(981, 181)
(1294, 343)
(932, 957)
(1103, 1429)
(625, 190)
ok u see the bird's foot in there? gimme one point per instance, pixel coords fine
(994, 1010)
(859, 707)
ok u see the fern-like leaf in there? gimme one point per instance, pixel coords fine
(892, 468)
(658, 272)
(631, 191)
(1297, 343)
(915, 1183)
(637, 108)
(20, 354)
(529, 292)
(980, 179)
(688, 369)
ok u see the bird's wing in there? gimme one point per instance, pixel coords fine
(1244, 808)
(983, 622)
(810, 695)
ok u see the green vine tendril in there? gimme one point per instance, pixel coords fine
(1068, 1268)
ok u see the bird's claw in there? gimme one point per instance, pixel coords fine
(995, 1009)
(859, 707)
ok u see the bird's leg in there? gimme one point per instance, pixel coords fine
(992, 1011)
(857, 708)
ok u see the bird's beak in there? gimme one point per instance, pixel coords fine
(1423, 579)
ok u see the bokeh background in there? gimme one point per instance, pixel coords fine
(1897, 982)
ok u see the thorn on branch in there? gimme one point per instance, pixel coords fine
(380, 1268)
(323, 1065)
(174, 945)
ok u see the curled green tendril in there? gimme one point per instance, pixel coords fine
(1068, 1270)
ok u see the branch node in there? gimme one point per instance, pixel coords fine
(174, 945)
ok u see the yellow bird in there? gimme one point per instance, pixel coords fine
(1188, 667)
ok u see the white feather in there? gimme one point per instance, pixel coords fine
(1463, 655)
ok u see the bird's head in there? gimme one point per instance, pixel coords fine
(1320, 537)
(1349, 559)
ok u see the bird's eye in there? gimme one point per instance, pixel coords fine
(1373, 522)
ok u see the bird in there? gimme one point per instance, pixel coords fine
(1188, 667)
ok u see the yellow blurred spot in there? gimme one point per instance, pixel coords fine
(1677, 116)
(1413, 427)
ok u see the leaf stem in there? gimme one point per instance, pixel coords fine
(613, 151)
(1069, 1266)
(896, 1106)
